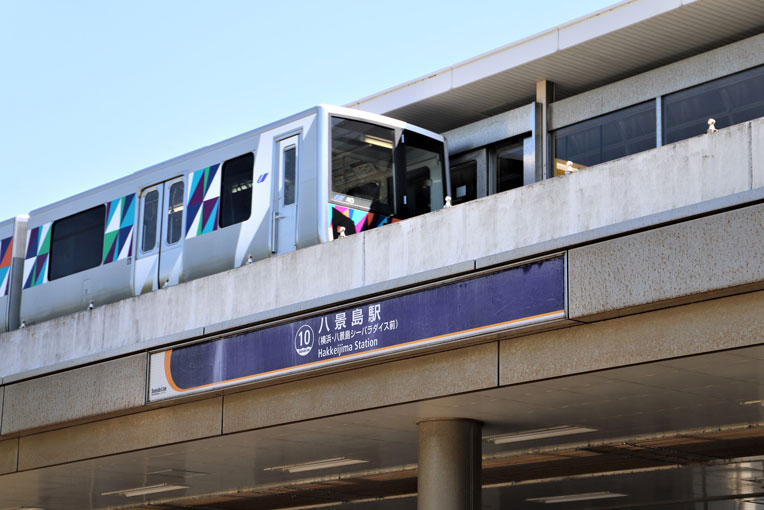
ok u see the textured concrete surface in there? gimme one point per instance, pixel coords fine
(103, 388)
(757, 153)
(9, 450)
(417, 378)
(664, 80)
(493, 129)
(686, 260)
(168, 425)
(723, 323)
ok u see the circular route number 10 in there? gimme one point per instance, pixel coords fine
(304, 340)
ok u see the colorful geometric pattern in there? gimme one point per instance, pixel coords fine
(203, 202)
(118, 236)
(36, 258)
(354, 220)
(6, 250)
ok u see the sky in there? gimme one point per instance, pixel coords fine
(91, 91)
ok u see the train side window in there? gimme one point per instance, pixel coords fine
(290, 174)
(149, 224)
(175, 213)
(236, 190)
(77, 242)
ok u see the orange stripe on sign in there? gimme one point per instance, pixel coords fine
(381, 349)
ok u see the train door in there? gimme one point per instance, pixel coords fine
(159, 255)
(146, 276)
(171, 251)
(285, 196)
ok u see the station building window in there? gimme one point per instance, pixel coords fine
(236, 190)
(464, 181)
(77, 242)
(730, 100)
(607, 137)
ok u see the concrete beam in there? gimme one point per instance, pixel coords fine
(490, 130)
(157, 427)
(681, 263)
(103, 388)
(9, 454)
(354, 390)
(663, 334)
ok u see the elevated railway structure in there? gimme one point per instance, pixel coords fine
(583, 328)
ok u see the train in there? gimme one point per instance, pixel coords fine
(318, 175)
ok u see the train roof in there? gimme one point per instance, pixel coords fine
(331, 109)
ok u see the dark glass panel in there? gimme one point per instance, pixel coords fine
(77, 242)
(175, 213)
(362, 164)
(464, 182)
(236, 190)
(509, 163)
(730, 100)
(424, 174)
(608, 137)
(149, 226)
(290, 175)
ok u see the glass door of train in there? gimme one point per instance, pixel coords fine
(285, 196)
(159, 257)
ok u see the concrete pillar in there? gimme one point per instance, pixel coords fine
(544, 157)
(450, 464)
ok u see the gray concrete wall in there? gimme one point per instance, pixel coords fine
(103, 388)
(709, 256)
(487, 131)
(174, 424)
(717, 324)
(663, 179)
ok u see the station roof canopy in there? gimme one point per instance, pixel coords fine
(614, 43)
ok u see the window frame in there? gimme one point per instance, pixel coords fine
(100, 233)
(223, 188)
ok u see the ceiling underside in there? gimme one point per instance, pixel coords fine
(654, 42)
(671, 434)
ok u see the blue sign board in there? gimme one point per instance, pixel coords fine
(509, 298)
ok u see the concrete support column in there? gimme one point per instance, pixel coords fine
(450, 464)
(544, 157)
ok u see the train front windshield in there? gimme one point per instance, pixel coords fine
(379, 174)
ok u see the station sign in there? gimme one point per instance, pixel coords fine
(510, 298)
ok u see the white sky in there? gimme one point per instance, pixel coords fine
(91, 91)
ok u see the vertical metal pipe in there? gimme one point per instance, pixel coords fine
(450, 464)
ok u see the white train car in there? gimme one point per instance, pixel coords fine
(312, 177)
